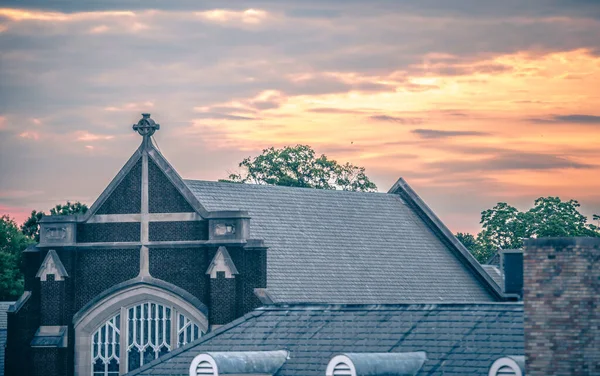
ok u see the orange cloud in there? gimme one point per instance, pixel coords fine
(248, 16)
(39, 15)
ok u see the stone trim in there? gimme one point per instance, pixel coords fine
(176, 180)
(222, 262)
(16, 306)
(85, 323)
(152, 217)
(52, 266)
(112, 185)
(402, 189)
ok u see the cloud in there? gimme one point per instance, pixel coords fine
(129, 107)
(567, 119)
(396, 119)
(37, 15)
(436, 133)
(221, 116)
(336, 72)
(511, 161)
(88, 136)
(31, 135)
(248, 16)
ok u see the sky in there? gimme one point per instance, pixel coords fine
(472, 102)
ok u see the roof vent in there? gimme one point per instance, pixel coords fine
(238, 363)
(204, 368)
(388, 364)
(508, 366)
(343, 369)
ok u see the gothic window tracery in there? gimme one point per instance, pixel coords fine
(106, 348)
(138, 335)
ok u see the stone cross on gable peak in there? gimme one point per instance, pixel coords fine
(146, 126)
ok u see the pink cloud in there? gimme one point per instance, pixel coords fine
(30, 135)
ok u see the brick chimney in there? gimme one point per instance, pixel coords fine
(562, 306)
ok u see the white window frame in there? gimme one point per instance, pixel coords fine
(121, 302)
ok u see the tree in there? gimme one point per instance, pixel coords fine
(503, 227)
(506, 227)
(552, 217)
(298, 166)
(12, 244)
(31, 227)
(474, 245)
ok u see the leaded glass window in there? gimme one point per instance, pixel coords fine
(187, 331)
(106, 348)
(149, 331)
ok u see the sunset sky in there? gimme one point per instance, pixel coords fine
(472, 102)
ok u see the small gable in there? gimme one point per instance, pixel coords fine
(222, 263)
(52, 266)
(127, 196)
(163, 196)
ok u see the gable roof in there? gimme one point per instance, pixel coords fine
(460, 339)
(146, 149)
(330, 246)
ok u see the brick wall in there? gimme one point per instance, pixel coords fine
(99, 269)
(49, 361)
(127, 197)
(163, 197)
(562, 306)
(22, 325)
(176, 231)
(222, 300)
(52, 301)
(183, 267)
(108, 232)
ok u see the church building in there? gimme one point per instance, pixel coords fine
(159, 261)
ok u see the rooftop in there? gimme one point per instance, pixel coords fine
(329, 246)
(459, 339)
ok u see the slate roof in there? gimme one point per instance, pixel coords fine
(2, 348)
(460, 339)
(495, 273)
(345, 247)
(3, 309)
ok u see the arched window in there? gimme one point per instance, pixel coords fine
(106, 348)
(126, 330)
(149, 330)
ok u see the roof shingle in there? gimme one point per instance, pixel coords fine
(345, 247)
(459, 339)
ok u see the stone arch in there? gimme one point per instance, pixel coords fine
(116, 300)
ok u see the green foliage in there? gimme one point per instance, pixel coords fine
(12, 244)
(298, 166)
(505, 227)
(31, 227)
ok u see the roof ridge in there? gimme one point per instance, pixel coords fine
(282, 187)
(386, 306)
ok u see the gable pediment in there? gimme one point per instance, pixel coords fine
(52, 266)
